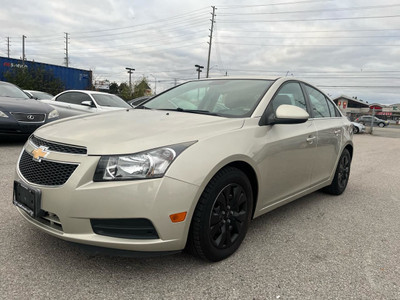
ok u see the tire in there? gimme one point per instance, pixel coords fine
(381, 125)
(342, 174)
(355, 130)
(222, 216)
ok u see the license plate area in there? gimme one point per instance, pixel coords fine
(28, 199)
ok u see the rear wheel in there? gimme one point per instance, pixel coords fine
(381, 125)
(222, 215)
(342, 174)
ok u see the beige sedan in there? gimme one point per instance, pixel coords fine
(187, 169)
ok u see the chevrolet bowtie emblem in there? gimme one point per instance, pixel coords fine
(40, 153)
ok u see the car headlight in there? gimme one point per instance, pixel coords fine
(53, 114)
(143, 165)
(3, 115)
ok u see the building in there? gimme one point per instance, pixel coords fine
(354, 108)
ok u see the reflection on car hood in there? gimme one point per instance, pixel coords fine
(23, 105)
(107, 108)
(130, 131)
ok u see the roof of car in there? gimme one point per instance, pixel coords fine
(87, 91)
(246, 77)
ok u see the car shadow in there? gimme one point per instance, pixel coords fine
(13, 140)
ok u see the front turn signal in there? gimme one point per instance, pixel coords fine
(179, 217)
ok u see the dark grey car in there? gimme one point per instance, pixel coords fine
(20, 115)
(366, 120)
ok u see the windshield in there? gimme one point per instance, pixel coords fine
(110, 100)
(11, 91)
(224, 97)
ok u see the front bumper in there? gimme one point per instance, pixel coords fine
(71, 207)
(10, 126)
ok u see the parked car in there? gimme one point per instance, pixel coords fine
(19, 114)
(188, 169)
(358, 127)
(38, 95)
(366, 120)
(137, 101)
(75, 102)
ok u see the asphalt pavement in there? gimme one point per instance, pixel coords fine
(317, 247)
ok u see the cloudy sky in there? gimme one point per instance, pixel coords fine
(349, 47)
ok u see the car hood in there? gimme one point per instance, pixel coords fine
(133, 130)
(23, 105)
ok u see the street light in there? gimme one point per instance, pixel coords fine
(130, 73)
(199, 70)
(155, 84)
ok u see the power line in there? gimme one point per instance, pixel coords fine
(308, 20)
(311, 31)
(311, 37)
(271, 4)
(310, 11)
(310, 45)
(144, 24)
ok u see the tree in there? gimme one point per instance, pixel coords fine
(35, 78)
(114, 88)
(124, 91)
(141, 88)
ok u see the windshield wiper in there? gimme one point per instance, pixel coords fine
(193, 111)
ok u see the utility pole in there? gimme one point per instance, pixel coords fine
(199, 70)
(23, 49)
(209, 43)
(130, 71)
(155, 84)
(8, 47)
(66, 49)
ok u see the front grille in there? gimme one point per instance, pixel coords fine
(24, 117)
(57, 147)
(45, 172)
(125, 228)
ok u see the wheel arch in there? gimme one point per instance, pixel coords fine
(248, 170)
(349, 147)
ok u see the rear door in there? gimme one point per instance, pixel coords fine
(329, 126)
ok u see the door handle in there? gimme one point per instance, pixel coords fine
(310, 139)
(336, 132)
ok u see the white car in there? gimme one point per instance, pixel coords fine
(189, 168)
(358, 127)
(77, 102)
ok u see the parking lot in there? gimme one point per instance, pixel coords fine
(318, 247)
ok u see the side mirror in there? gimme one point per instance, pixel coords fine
(87, 103)
(287, 114)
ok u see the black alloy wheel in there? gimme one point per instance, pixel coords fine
(344, 171)
(342, 175)
(228, 216)
(222, 215)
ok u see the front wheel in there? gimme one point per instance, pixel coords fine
(381, 125)
(355, 130)
(222, 215)
(342, 174)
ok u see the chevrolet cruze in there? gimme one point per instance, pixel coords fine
(188, 169)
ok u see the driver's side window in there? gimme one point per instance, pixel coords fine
(291, 94)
